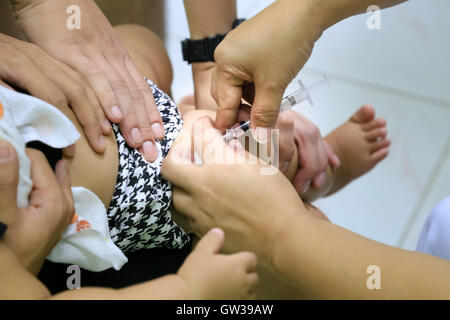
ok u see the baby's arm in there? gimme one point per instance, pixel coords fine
(205, 274)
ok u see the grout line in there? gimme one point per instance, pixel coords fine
(442, 103)
(428, 187)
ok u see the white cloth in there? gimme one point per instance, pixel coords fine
(435, 236)
(86, 242)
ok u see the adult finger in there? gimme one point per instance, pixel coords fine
(181, 173)
(26, 75)
(62, 173)
(333, 159)
(78, 99)
(286, 142)
(152, 111)
(41, 172)
(227, 92)
(45, 186)
(99, 83)
(208, 142)
(106, 125)
(9, 175)
(266, 105)
(182, 201)
(211, 242)
(304, 176)
(135, 110)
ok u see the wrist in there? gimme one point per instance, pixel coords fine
(208, 18)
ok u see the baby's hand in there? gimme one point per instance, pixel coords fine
(210, 275)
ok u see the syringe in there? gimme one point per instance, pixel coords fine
(298, 96)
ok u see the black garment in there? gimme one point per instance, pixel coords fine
(142, 265)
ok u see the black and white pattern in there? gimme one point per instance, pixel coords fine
(139, 213)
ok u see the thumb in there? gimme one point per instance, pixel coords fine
(9, 175)
(212, 241)
(227, 91)
(266, 106)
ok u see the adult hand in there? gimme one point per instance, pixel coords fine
(314, 154)
(267, 50)
(25, 66)
(96, 52)
(34, 231)
(235, 197)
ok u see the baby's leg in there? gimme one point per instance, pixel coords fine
(360, 143)
(148, 53)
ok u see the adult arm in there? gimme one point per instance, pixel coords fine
(263, 214)
(207, 19)
(97, 53)
(269, 50)
(26, 67)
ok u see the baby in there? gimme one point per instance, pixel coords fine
(138, 197)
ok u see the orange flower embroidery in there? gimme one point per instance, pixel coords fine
(74, 218)
(1, 111)
(83, 225)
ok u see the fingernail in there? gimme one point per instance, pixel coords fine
(260, 134)
(321, 179)
(115, 111)
(107, 125)
(158, 130)
(5, 151)
(307, 185)
(336, 161)
(285, 166)
(216, 231)
(150, 150)
(136, 136)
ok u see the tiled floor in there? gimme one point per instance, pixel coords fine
(403, 69)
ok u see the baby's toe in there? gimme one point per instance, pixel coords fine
(379, 155)
(379, 144)
(365, 114)
(377, 123)
(376, 134)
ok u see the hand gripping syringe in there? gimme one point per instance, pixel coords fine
(302, 94)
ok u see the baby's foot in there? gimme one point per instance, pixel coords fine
(360, 143)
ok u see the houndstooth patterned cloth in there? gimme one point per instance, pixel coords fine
(139, 213)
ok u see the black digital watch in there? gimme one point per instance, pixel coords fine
(202, 50)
